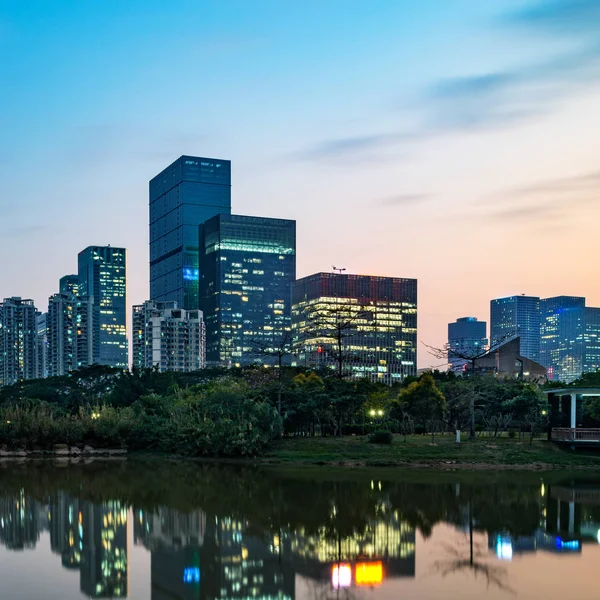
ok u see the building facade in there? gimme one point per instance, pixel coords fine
(517, 316)
(69, 327)
(466, 337)
(247, 266)
(372, 320)
(102, 277)
(562, 337)
(168, 337)
(187, 193)
(69, 285)
(19, 351)
(42, 343)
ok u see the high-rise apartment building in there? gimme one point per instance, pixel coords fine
(466, 338)
(42, 344)
(247, 266)
(373, 320)
(591, 358)
(19, 350)
(168, 337)
(517, 316)
(102, 278)
(186, 194)
(69, 285)
(69, 333)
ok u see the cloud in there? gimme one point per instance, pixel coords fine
(405, 199)
(559, 16)
(543, 201)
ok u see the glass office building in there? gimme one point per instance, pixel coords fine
(375, 318)
(186, 194)
(466, 337)
(562, 337)
(102, 277)
(591, 358)
(247, 266)
(517, 316)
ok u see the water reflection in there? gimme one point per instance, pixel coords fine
(231, 534)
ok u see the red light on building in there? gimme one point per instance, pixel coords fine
(341, 576)
(368, 573)
(319, 349)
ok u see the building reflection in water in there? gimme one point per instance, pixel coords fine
(569, 519)
(203, 555)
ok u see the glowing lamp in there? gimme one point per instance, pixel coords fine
(369, 573)
(341, 576)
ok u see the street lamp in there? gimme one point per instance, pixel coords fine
(380, 413)
(372, 412)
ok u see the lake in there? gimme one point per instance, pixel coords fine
(165, 530)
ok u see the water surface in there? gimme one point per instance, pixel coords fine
(181, 531)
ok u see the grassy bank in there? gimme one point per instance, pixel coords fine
(419, 451)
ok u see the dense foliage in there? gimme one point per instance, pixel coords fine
(236, 412)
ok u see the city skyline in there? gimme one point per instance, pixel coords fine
(389, 121)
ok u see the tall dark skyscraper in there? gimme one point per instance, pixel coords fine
(465, 337)
(183, 196)
(517, 315)
(247, 266)
(102, 277)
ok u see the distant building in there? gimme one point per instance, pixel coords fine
(506, 361)
(19, 351)
(42, 344)
(466, 337)
(247, 266)
(102, 277)
(376, 318)
(517, 316)
(69, 327)
(69, 285)
(570, 337)
(168, 337)
(186, 194)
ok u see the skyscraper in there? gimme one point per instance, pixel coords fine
(591, 359)
(19, 350)
(186, 194)
(69, 285)
(562, 333)
(517, 316)
(42, 343)
(247, 266)
(69, 333)
(466, 337)
(102, 278)
(168, 337)
(373, 320)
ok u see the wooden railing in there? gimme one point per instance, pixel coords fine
(566, 434)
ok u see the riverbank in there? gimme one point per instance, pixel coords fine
(420, 452)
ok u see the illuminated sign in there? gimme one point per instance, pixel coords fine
(562, 545)
(368, 573)
(191, 274)
(341, 576)
(191, 575)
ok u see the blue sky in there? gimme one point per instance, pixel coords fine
(455, 141)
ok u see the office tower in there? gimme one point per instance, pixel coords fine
(18, 341)
(19, 526)
(102, 278)
(69, 331)
(562, 337)
(466, 337)
(517, 316)
(247, 266)
(591, 358)
(69, 285)
(187, 193)
(373, 320)
(42, 344)
(104, 550)
(168, 337)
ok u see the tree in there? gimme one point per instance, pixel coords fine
(278, 349)
(331, 325)
(422, 400)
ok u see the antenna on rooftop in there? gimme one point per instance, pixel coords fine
(339, 270)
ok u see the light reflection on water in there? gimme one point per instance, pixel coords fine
(167, 531)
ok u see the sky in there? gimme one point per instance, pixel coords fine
(456, 142)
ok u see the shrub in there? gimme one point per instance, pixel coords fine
(381, 437)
